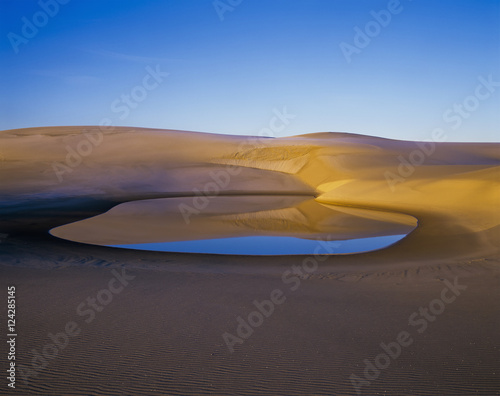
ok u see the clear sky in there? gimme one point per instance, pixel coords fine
(384, 68)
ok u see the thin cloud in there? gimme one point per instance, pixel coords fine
(129, 58)
(68, 78)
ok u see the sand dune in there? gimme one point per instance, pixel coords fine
(453, 192)
(163, 333)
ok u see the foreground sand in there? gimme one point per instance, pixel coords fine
(163, 333)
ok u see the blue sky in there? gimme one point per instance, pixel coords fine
(231, 64)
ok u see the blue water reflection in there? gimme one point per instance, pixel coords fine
(269, 245)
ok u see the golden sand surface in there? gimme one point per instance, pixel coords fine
(163, 333)
(452, 189)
